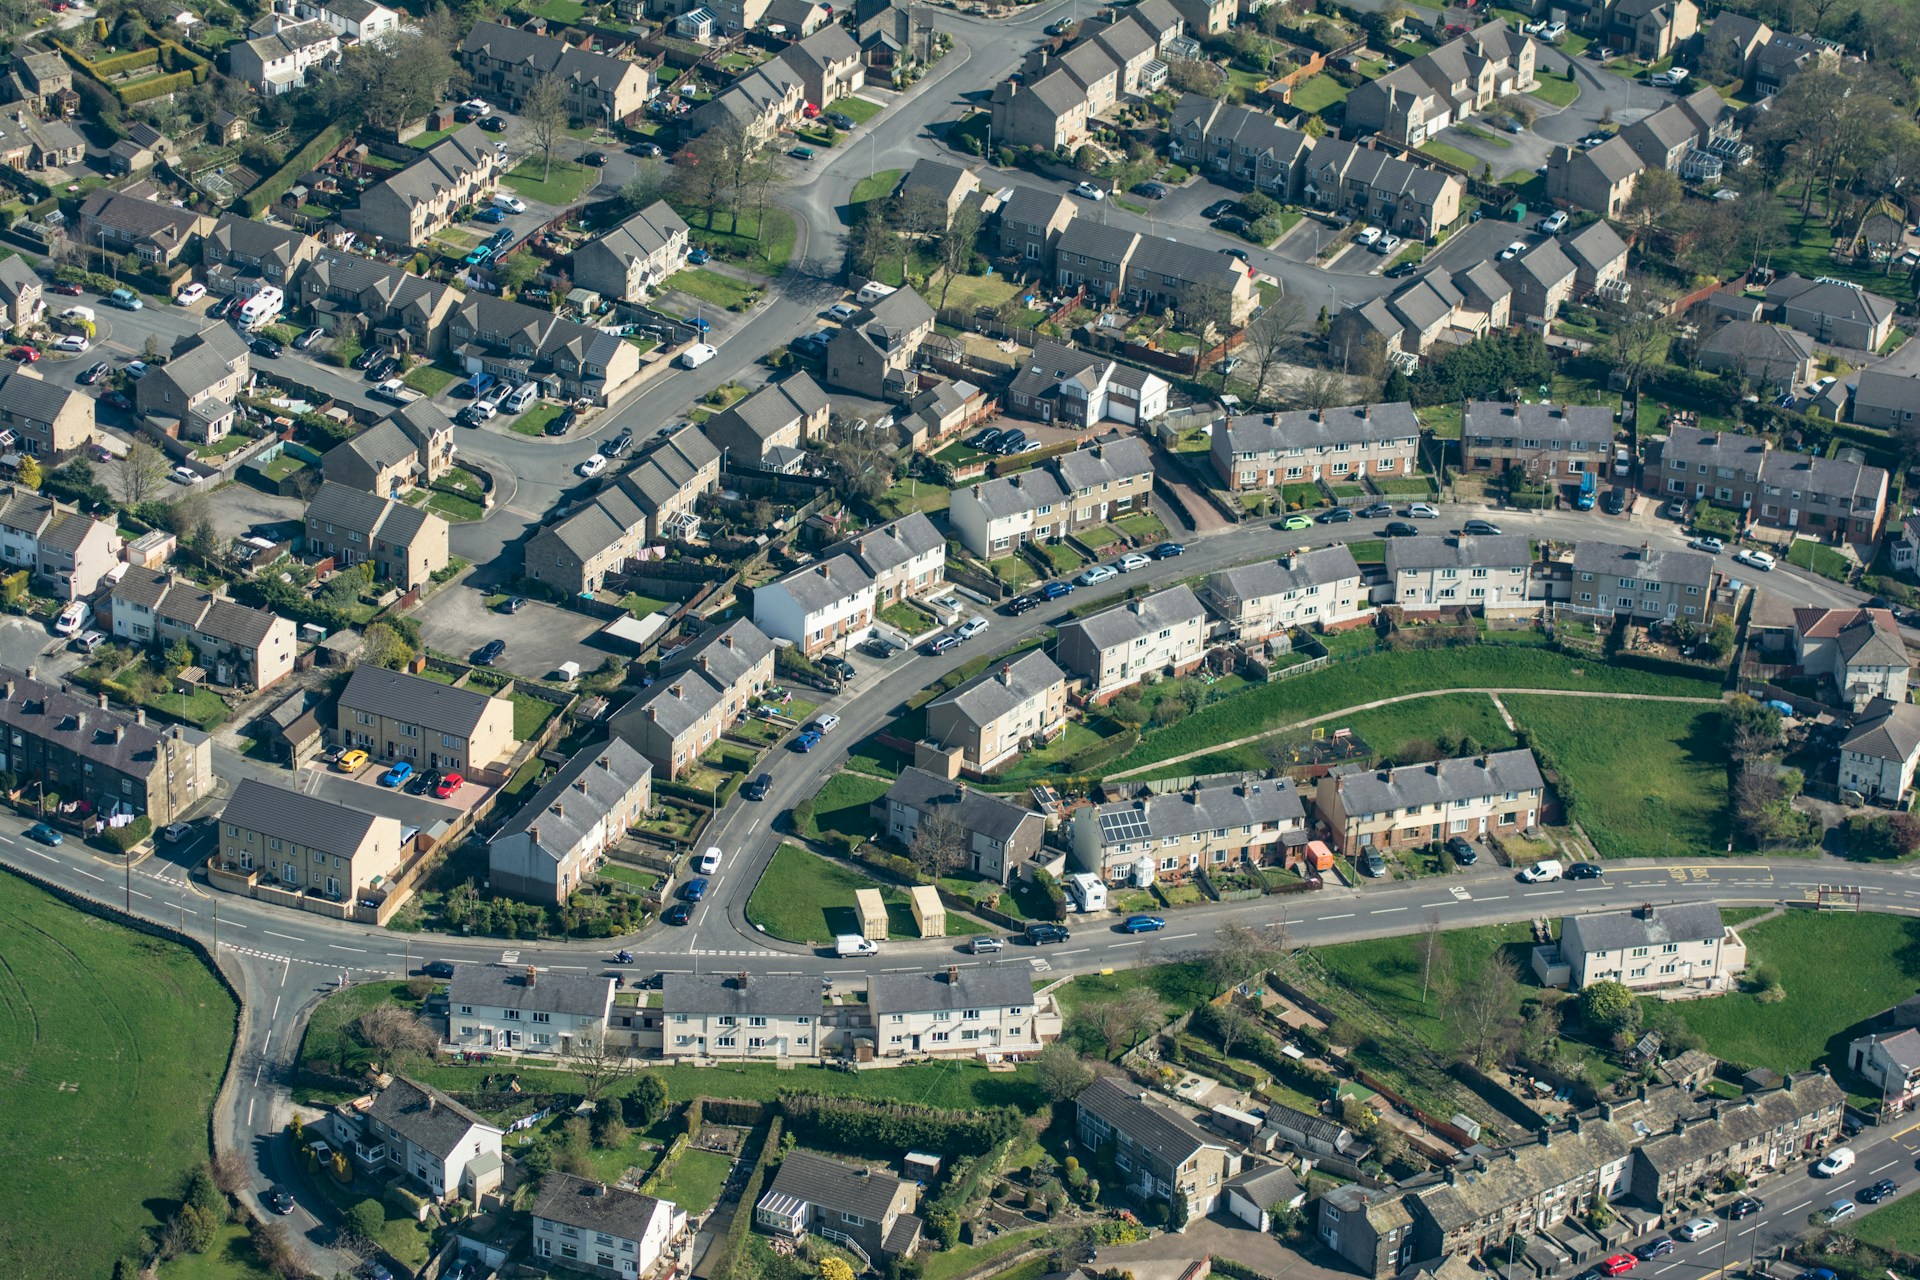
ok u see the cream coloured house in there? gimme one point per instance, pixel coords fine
(972, 1012)
(1684, 943)
(1317, 589)
(1500, 793)
(523, 1010)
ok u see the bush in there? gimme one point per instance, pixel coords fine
(859, 1124)
(365, 1219)
(125, 838)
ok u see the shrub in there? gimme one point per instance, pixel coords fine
(365, 1219)
(125, 838)
(859, 1124)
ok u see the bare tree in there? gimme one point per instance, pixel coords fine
(597, 1064)
(1656, 193)
(1275, 338)
(545, 112)
(1320, 389)
(139, 475)
(1208, 313)
(956, 247)
(940, 842)
(392, 1032)
(1232, 1025)
(1433, 950)
(1639, 334)
(1481, 1012)
(1124, 1021)
(1238, 952)
(1062, 1072)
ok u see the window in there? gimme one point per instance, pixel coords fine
(542, 1017)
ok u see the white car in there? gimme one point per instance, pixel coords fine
(1133, 560)
(1386, 245)
(190, 295)
(970, 628)
(1366, 237)
(842, 311)
(1098, 574)
(1761, 560)
(709, 861)
(479, 106)
(1554, 31)
(1535, 28)
(139, 369)
(828, 723)
(184, 475)
(1087, 191)
(1698, 1229)
(1424, 511)
(512, 204)
(1708, 543)
(1835, 1162)
(1553, 222)
(174, 831)
(593, 466)
(1672, 79)
(70, 342)
(1513, 250)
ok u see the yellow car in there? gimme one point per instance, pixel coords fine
(350, 761)
(1297, 522)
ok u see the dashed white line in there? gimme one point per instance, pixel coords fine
(147, 896)
(1077, 951)
(574, 968)
(49, 857)
(289, 937)
(1136, 942)
(1796, 1208)
(276, 1009)
(1670, 1266)
(334, 946)
(89, 875)
(1595, 888)
(1347, 916)
(1175, 937)
(1888, 1165)
(1385, 911)
(1539, 893)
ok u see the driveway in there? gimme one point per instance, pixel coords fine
(539, 638)
(241, 507)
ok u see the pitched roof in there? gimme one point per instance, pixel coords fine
(580, 795)
(833, 1184)
(1021, 492)
(1544, 264)
(892, 544)
(1851, 486)
(892, 319)
(82, 726)
(1171, 814)
(595, 1206)
(1032, 206)
(1885, 730)
(415, 699)
(380, 446)
(1585, 424)
(1146, 615)
(938, 179)
(140, 218)
(824, 583)
(770, 410)
(992, 987)
(1750, 340)
(998, 690)
(1439, 782)
(1641, 927)
(742, 995)
(1290, 573)
(730, 651)
(641, 236)
(1468, 551)
(1110, 460)
(370, 514)
(1692, 448)
(1830, 298)
(548, 57)
(1158, 1128)
(986, 813)
(503, 986)
(24, 395)
(1312, 429)
(425, 1116)
(336, 829)
(1644, 563)
(1594, 246)
(1615, 159)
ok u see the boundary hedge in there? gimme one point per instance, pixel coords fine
(263, 197)
(168, 54)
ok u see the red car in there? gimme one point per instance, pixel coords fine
(69, 290)
(27, 354)
(1619, 1264)
(118, 399)
(448, 784)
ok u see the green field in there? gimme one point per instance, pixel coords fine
(1408, 731)
(845, 805)
(1318, 93)
(713, 287)
(560, 186)
(1183, 985)
(695, 1181)
(1387, 972)
(803, 897)
(1892, 1226)
(230, 1257)
(1650, 779)
(112, 1045)
(1822, 560)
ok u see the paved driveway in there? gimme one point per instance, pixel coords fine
(539, 638)
(363, 791)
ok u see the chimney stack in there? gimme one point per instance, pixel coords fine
(119, 733)
(1006, 673)
(140, 716)
(740, 979)
(103, 701)
(727, 639)
(826, 571)
(433, 1104)
(653, 713)
(33, 672)
(705, 665)
(533, 975)
(560, 813)
(606, 763)
(953, 975)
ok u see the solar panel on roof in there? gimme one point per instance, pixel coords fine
(1127, 824)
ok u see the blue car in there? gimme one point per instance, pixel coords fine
(1168, 550)
(1142, 924)
(400, 772)
(44, 834)
(697, 257)
(1054, 590)
(807, 741)
(695, 889)
(490, 215)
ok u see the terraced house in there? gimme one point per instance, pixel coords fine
(744, 1015)
(412, 205)
(395, 716)
(302, 843)
(1544, 442)
(633, 257)
(82, 749)
(1500, 793)
(1308, 446)
(517, 343)
(396, 308)
(549, 848)
(1114, 649)
(1413, 103)
(237, 645)
(1321, 590)
(1644, 583)
(1074, 491)
(413, 445)
(904, 558)
(240, 255)
(506, 63)
(1242, 144)
(703, 690)
(521, 1010)
(1171, 836)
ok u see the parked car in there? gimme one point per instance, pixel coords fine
(1553, 223)
(800, 153)
(1877, 1192)
(842, 312)
(1374, 510)
(594, 158)
(825, 724)
(184, 474)
(1296, 522)
(71, 342)
(757, 789)
(1087, 191)
(1385, 245)
(985, 439)
(1586, 871)
(26, 355)
(1133, 560)
(1513, 250)
(710, 861)
(1217, 208)
(1744, 1207)
(44, 834)
(1619, 1264)
(1485, 528)
(1021, 604)
(840, 667)
(95, 373)
(982, 944)
(1339, 515)
(350, 762)
(1658, 1247)
(1401, 529)
(1042, 932)
(1835, 1163)
(1055, 590)
(490, 215)
(1142, 924)
(1168, 550)
(1461, 851)
(1372, 864)
(971, 628)
(397, 774)
(307, 339)
(449, 783)
(694, 889)
(677, 914)
(940, 644)
(490, 653)
(1708, 543)
(264, 347)
(1754, 558)
(1151, 190)
(1698, 1229)
(190, 295)
(1366, 237)
(1400, 269)
(1839, 1211)
(1098, 574)
(840, 120)
(806, 741)
(593, 466)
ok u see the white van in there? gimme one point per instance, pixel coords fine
(697, 354)
(1542, 871)
(1835, 1163)
(73, 618)
(852, 944)
(78, 313)
(511, 203)
(522, 397)
(262, 308)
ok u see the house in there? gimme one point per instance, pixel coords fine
(239, 646)
(422, 1132)
(192, 394)
(1458, 79)
(946, 408)
(866, 1208)
(1174, 835)
(1157, 1151)
(278, 62)
(1543, 279)
(746, 1015)
(41, 420)
(1785, 56)
(1905, 547)
(392, 715)
(1368, 1228)
(395, 309)
(1242, 144)
(557, 839)
(1207, 17)
(21, 301)
(1860, 650)
(1890, 1061)
(1061, 383)
(1076, 490)
(239, 255)
(1601, 179)
(1097, 71)
(1404, 198)
(1550, 442)
(587, 1226)
(989, 718)
(1500, 793)
(904, 558)
(1134, 50)
(67, 552)
(1705, 1145)
(51, 144)
(76, 746)
(1715, 466)
(522, 1010)
(1645, 29)
(1093, 255)
(45, 76)
(406, 544)
(828, 63)
(977, 1012)
(517, 343)
(761, 102)
(1645, 583)
(1047, 110)
(818, 607)
(506, 63)
(634, 256)
(411, 446)
(1310, 1134)
(1438, 306)
(1886, 395)
(308, 845)
(654, 500)
(1206, 288)
(1737, 39)
(1258, 1189)
(781, 415)
(703, 690)
(1824, 497)
(1032, 221)
(409, 207)
(352, 20)
(1114, 649)
(1662, 139)
(1320, 589)
(1599, 258)
(1832, 312)
(876, 347)
(1648, 947)
(1001, 837)
(1307, 446)
(1878, 755)
(154, 231)
(942, 185)
(1483, 572)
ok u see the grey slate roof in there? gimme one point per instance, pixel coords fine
(1590, 425)
(724, 993)
(890, 319)
(25, 396)
(1266, 1185)
(1544, 264)
(389, 519)
(1439, 782)
(1276, 577)
(1750, 340)
(835, 1185)
(892, 544)
(79, 724)
(1691, 448)
(581, 793)
(1106, 461)
(1752, 1119)
(992, 987)
(380, 446)
(1646, 564)
(1468, 551)
(1032, 206)
(998, 690)
(769, 410)
(640, 236)
(425, 1116)
(416, 699)
(1022, 491)
(678, 704)
(320, 824)
(1126, 622)
(989, 814)
(594, 1206)
(1182, 813)
(1617, 930)
(938, 179)
(1885, 730)
(1097, 242)
(503, 986)
(730, 650)
(1853, 486)
(1595, 245)
(1308, 429)
(1830, 298)
(825, 582)
(1156, 1127)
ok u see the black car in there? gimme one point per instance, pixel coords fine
(469, 417)
(881, 649)
(840, 120)
(839, 666)
(1400, 269)
(1010, 443)
(438, 969)
(1462, 852)
(1151, 190)
(1233, 224)
(1373, 510)
(1042, 932)
(366, 358)
(1020, 604)
(1401, 529)
(1218, 208)
(1487, 527)
(1744, 1207)
(562, 424)
(1168, 550)
(1877, 1192)
(280, 1200)
(417, 785)
(489, 653)
(1616, 501)
(678, 913)
(985, 440)
(594, 158)
(265, 347)
(1339, 515)
(757, 789)
(493, 124)
(1656, 1248)
(383, 368)
(1585, 871)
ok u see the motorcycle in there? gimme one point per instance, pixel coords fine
(625, 957)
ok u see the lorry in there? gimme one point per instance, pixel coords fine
(1089, 892)
(1588, 489)
(847, 945)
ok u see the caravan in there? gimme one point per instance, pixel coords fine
(262, 308)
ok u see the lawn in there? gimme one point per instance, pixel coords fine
(1649, 779)
(963, 1259)
(560, 186)
(1822, 560)
(911, 494)
(1183, 986)
(712, 287)
(695, 1181)
(1837, 970)
(534, 421)
(453, 508)
(644, 606)
(875, 186)
(565, 12)
(1451, 155)
(802, 897)
(910, 618)
(861, 109)
(1319, 93)
(112, 1045)
(1557, 90)
(230, 1257)
(630, 877)
(431, 379)
(1062, 557)
(1387, 973)
(1407, 731)
(530, 714)
(845, 805)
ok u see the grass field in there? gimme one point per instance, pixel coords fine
(744, 244)
(845, 805)
(1182, 985)
(1838, 971)
(534, 421)
(559, 186)
(230, 1257)
(429, 379)
(875, 186)
(803, 897)
(962, 1259)
(695, 1181)
(1319, 93)
(112, 1045)
(1650, 779)
(1409, 730)
(1822, 560)
(714, 288)
(860, 109)
(1387, 972)
(1892, 1226)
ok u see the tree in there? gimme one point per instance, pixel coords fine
(517, 272)
(1639, 333)
(1480, 1013)
(139, 475)
(940, 842)
(957, 246)
(1608, 1006)
(1062, 1073)
(866, 457)
(1208, 312)
(1239, 952)
(29, 475)
(382, 646)
(388, 81)
(1177, 1211)
(364, 1220)
(1231, 1025)
(545, 114)
(646, 1102)
(1657, 193)
(1190, 75)
(204, 1194)
(1124, 1021)
(1275, 337)
(392, 1032)
(610, 1130)
(1320, 389)
(597, 1064)
(874, 243)
(835, 1269)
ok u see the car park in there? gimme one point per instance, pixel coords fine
(396, 774)
(1513, 250)
(1484, 528)
(41, 833)
(1098, 574)
(1142, 924)
(1131, 561)
(971, 628)
(1401, 529)
(1168, 550)
(757, 789)
(1755, 559)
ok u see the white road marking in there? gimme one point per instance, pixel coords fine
(1888, 1165)
(573, 968)
(1594, 888)
(1385, 911)
(1136, 942)
(289, 937)
(334, 946)
(1540, 893)
(250, 1113)
(89, 875)
(1347, 916)
(276, 1009)
(49, 857)
(1175, 937)
(1428, 906)
(1796, 1208)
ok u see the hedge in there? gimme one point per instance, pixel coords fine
(733, 1112)
(158, 87)
(262, 197)
(121, 63)
(126, 837)
(742, 1224)
(857, 1124)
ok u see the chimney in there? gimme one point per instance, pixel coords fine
(953, 975)
(599, 1189)
(860, 546)
(675, 691)
(705, 665)
(826, 571)
(1606, 1111)
(740, 979)
(580, 785)
(1006, 673)
(1546, 1137)
(119, 733)
(606, 764)
(103, 701)
(1679, 1124)
(433, 1104)
(727, 639)
(33, 673)
(1133, 606)
(1644, 911)
(533, 832)
(559, 812)
(1453, 1175)
(653, 713)
(9, 688)
(533, 975)
(1366, 413)
(1714, 1111)
(1192, 797)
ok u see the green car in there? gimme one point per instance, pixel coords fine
(1297, 522)
(801, 153)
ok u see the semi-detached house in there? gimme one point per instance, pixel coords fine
(987, 720)
(392, 715)
(506, 63)
(904, 558)
(1645, 583)
(558, 838)
(609, 1232)
(1880, 751)
(1171, 836)
(1047, 110)
(1001, 836)
(972, 1012)
(1500, 793)
(1319, 589)
(1153, 273)
(413, 445)
(703, 690)
(407, 545)
(278, 62)
(1032, 221)
(409, 207)
(1445, 86)
(818, 607)
(524, 1010)
(1058, 383)
(1161, 634)
(1832, 312)
(304, 844)
(653, 501)
(1488, 573)
(239, 255)
(421, 1132)
(1546, 442)
(1600, 180)
(237, 645)
(1335, 445)
(41, 420)
(780, 416)
(857, 1207)
(743, 1015)
(635, 256)
(1075, 490)
(1156, 1150)
(68, 553)
(1649, 947)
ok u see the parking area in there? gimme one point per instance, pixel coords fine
(367, 779)
(362, 791)
(539, 638)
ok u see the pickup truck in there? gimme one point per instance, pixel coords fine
(394, 391)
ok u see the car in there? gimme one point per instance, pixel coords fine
(1839, 1211)
(1151, 190)
(183, 474)
(71, 342)
(1217, 208)
(66, 290)
(1755, 559)
(1725, 194)
(493, 124)
(449, 783)
(1514, 126)
(678, 913)
(490, 215)
(27, 355)
(1616, 501)
(1879, 1191)
(1372, 864)
(125, 299)
(1055, 590)
(694, 889)
(1296, 522)
(971, 628)
(1698, 1229)
(306, 339)
(1168, 550)
(1087, 191)
(1042, 932)
(1601, 53)
(941, 644)
(44, 834)
(1553, 31)
(844, 312)
(699, 257)
(840, 120)
(983, 943)
(1401, 529)
(594, 158)
(1374, 510)
(1672, 78)
(174, 832)
(1142, 924)
(1366, 237)
(649, 149)
(117, 399)
(1241, 254)
(1552, 224)
(825, 724)
(1834, 1163)
(1744, 1207)
(710, 861)
(190, 295)
(370, 357)
(88, 641)
(985, 439)
(95, 373)
(397, 774)
(1385, 245)
(1658, 1247)
(1021, 604)
(1486, 528)
(1098, 574)
(800, 153)
(593, 466)
(1398, 270)
(1513, 250)
(351, 761)
(269, 349)
(1459, 848)
(757, 789)
(1619, 1264)
(840, 666)
(1339, 515)
(1708, 543)
(1586, 871)
(1818, 1273)
(807, 740)
(280, 1200)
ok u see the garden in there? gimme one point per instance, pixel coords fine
(803, 897)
